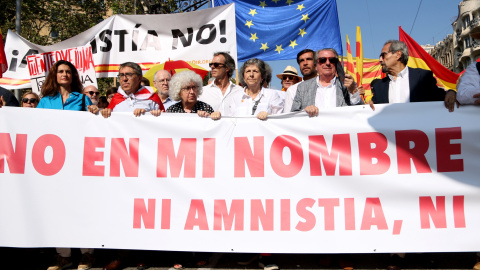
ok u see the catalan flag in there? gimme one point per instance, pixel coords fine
(359, 55)
(371, 70)
(419, 58)
(349, 65)
(279, 29)
(3, 57)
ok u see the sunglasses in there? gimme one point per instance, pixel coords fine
(290, 77)
(29, 100)
(382, 55)
(91, 93)
(323, 60)
(216, 65)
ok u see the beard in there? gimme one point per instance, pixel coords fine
(384, 68)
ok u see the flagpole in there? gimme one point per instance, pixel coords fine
(18, 29)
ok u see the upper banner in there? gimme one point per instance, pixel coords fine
(401, 179)
(143, 39)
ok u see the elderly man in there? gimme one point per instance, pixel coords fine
(289, 77)
(92, 92)
(131, 96)
(214, 94)
(404, 84)
(161, 79)
(327, 90)
(306, 62)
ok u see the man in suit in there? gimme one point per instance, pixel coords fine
(331, 88)
(404, 84)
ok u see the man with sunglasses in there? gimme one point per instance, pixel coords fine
(404, 84)
(289, 77)
(331, 88)
(214, 94)
(92, 92)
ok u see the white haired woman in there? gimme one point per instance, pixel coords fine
(255, 99)
(185, 87)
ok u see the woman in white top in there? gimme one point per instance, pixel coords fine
(255, 99)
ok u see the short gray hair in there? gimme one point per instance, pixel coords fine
(397, 45)
(229, 62)
(255, 62)
(181, 79)
(155, 75)
(321, 50)
(134, 66)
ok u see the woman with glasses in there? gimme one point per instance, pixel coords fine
(29, 100)
(185, 87)
(62, 90)
(254, 100)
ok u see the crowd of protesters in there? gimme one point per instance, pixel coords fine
(324, 85)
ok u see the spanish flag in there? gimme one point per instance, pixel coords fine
(350, 68)
(419, 58)
(3, 57)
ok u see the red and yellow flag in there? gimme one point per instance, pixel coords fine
(349, 64)
(359, 54)
(419, 58)
(3, 57)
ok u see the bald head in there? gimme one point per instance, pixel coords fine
(92, 92)
(160, 81)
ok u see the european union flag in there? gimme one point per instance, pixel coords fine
(279, 29)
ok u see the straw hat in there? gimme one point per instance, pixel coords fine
(289, 70)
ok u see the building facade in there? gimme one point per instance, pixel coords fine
(465, 48)
(443, 52)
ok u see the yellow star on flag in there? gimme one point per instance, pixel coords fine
(289, 2)
(305, 17)
(253, 12)
(278, 49)
(253, 37)
(275, 1)
(300, 7)
(264, 47)
(263, 4)
(302, 32)
(249, 23)
(293, 44)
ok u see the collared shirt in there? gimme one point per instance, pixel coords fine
(241, 104)
(326, 96)
(73, 102)
(213, 96)
(399, 89)
(168, 102)
(469, 85)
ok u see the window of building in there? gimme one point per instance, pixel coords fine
(466, 21)
(468, 42)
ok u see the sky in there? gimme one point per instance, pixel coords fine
(379, 21)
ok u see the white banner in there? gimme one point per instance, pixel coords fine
(144, 39)
(81, 57)
(401, 179)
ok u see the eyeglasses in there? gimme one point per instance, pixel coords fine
(29, 100)
(163, 81)
(323, 60)
(382, 55)
(190, 88)
(91, 93)
(285, 77)
(128, 75)
(216, 65)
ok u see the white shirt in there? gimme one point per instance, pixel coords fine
(399, 89)
(213, 96)
(326, 96)
(240, 104)
(289, 97)
(469, 85)
(133, 101)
